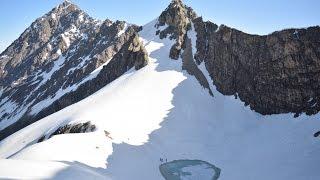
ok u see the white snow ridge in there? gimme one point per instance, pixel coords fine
(161, 114)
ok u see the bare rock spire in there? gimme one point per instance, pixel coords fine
(178, 17)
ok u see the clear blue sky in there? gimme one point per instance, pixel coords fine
(251, 16)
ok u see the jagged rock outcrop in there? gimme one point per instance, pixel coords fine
(276, 73)
(177, 17)
(86, 127)
(75, 128)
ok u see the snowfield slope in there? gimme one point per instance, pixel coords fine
(161, 111)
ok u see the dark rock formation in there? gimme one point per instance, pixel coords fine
(276, 73)
(177, 17)
(75, 128)
(71, 129)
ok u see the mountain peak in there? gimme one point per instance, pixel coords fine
(66, 3)
(176, 14)
(178, 3)
(178, 18)
(66, 6)
(177, 6)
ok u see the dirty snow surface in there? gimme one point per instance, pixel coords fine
(158, 112)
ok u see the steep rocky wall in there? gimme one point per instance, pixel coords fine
(177, 17)
(276, 73)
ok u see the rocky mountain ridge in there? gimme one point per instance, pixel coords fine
(276, 73)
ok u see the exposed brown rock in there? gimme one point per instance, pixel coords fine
(276, 73)
(178, 18)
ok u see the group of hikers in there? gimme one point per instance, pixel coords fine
(163, 160)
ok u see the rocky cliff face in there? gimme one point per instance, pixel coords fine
(277, 73)
(176, 19)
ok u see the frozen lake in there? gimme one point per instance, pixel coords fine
(189, 170)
